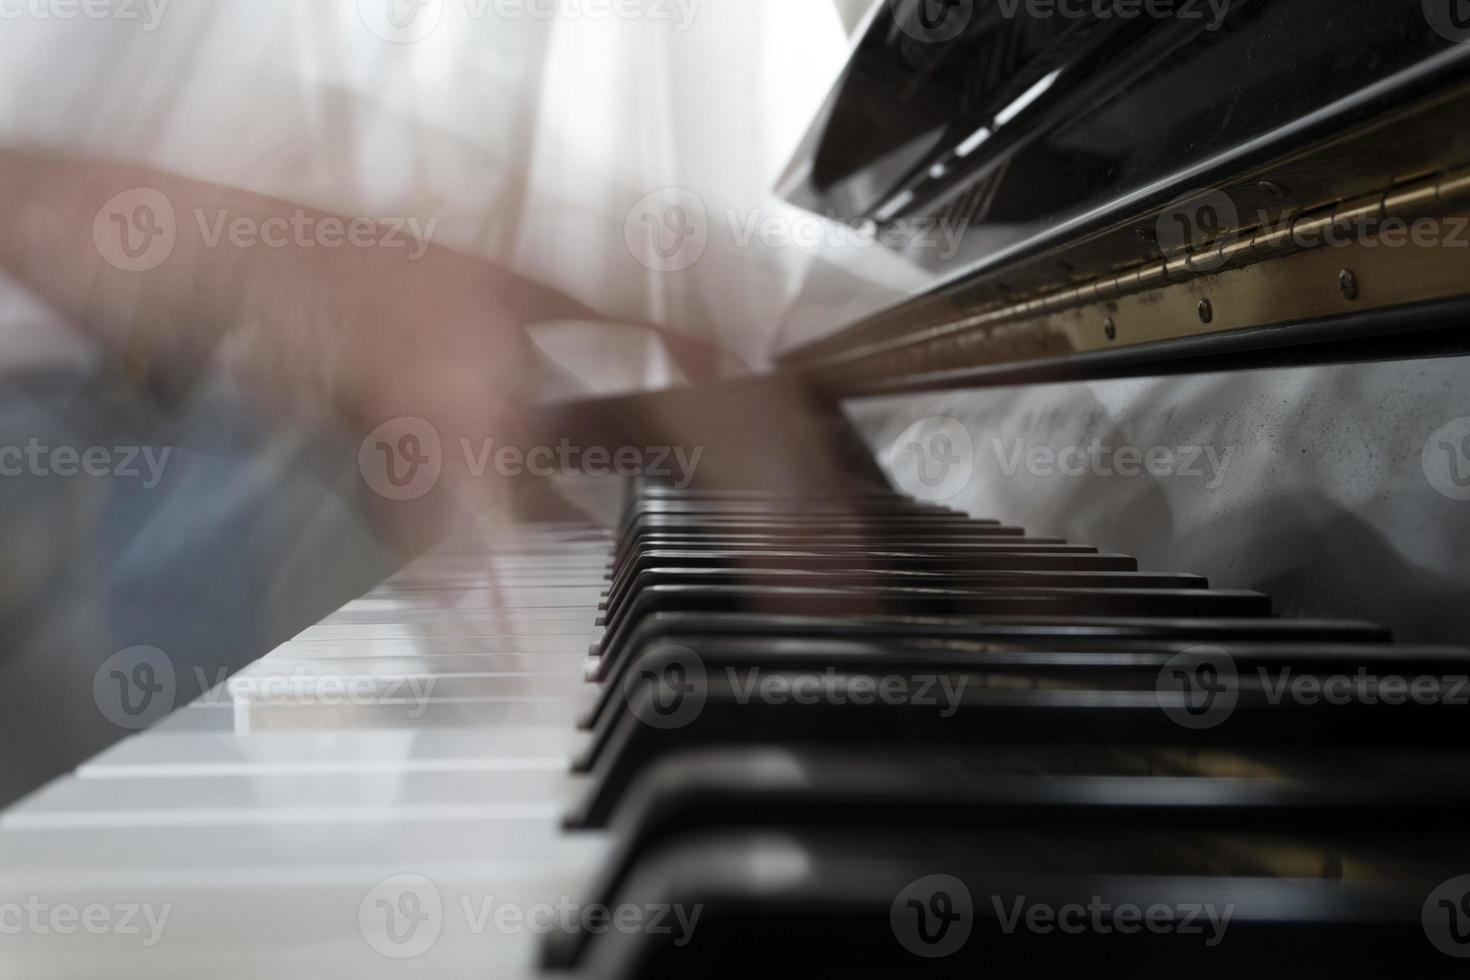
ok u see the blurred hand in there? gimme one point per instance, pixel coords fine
(354, 334)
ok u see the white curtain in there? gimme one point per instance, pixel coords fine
(529, 129)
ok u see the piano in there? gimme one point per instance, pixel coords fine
(805, 714)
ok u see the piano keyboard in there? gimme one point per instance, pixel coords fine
(828, 735)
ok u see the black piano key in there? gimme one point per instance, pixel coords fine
(851, 551)
(1046, 788)
(1039, 561)
(1040, 657)
(825, 533)
(883, 577)
(869, 512)
(959, 904)
(691, 630)
(1042, 560)
(669, 711)
(842, 603)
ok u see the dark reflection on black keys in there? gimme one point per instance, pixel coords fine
(895, 562)
(675, 702)
(694, 629)
(855, 553)
(997, 602)
(818, 903)
(920, 790)
(882, 577)
(875, 732)
(1043, 656)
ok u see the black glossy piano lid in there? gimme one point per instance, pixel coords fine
(1087, 112)
(1030, 155)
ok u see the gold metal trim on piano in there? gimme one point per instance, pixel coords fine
(1331, 261)
(1409, 164)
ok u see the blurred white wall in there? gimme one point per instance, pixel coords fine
(530, 129)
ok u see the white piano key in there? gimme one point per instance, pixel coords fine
(512, 602)
(411, 663)
(266, 798)
(492, 637)
(306, 929)
(308, 683)
(248, 718)
(500, 749)
(279, 853)
(433, 714)
(265, 824)
(485, 619)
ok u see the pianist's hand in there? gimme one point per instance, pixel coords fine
(356, 335)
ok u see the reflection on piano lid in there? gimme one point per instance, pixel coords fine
(1131, 193)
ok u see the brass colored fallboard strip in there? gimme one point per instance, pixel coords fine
(1325, 262)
